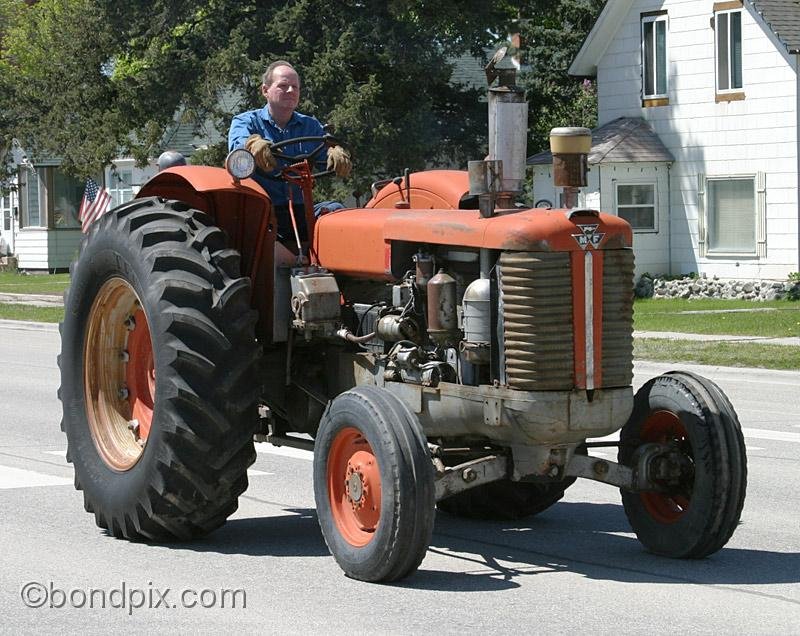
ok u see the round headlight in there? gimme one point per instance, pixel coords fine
(240, 164)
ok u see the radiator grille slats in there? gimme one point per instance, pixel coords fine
(536, 307)
(617, 318)
(536, 293)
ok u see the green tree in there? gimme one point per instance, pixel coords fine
(87, 80)
(552, 34)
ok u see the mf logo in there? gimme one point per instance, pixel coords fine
(589, 236)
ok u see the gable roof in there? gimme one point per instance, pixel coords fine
(624, 140)
(782, 17)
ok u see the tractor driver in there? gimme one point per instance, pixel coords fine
(256, 130)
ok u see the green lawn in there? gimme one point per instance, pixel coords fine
(10, 311)
(778, 318)
(728, 354)
(13, 283)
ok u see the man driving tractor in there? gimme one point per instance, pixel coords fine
(256, 131)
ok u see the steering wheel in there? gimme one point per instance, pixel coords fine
(322, 141)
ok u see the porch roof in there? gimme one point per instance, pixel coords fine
(623, 140)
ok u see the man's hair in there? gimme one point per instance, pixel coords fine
(266, 79)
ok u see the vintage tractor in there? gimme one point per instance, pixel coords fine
(439, 347)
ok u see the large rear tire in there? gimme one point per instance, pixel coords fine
(374, 485)
(158, 372)
(695, 515)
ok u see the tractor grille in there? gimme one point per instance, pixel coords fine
(617, 318)
(536, 309)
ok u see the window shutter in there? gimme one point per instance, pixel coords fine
(701, 214)
(761, 215)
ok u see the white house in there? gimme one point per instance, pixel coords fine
(716, 83)
(40, 221)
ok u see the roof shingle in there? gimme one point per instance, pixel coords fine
(623, 140)
(783, 17)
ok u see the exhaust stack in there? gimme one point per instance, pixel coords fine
(501, 176)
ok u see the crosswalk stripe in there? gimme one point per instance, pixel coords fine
(285, 451)
(20, 478)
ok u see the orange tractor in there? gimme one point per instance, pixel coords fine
(441, 346)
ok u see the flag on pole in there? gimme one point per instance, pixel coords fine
(94, 204)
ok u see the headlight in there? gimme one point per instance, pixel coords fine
(240, 164)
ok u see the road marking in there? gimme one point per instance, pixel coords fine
(252, 472)
(61, 453)
(749, 433)
(19, 478)
(285, 451)
(763, 433)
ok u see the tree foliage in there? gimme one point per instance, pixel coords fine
(552, 34)
(88, 80)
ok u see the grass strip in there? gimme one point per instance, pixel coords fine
(727, 354)
(782, 320)
(9, 311)
(13, 283)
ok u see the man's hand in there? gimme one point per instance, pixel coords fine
(260, 149)
(339, 161)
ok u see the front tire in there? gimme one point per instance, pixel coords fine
(158, 360)
(696, 516)
(374, 485)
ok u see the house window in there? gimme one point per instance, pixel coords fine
(64, 199)
(120, 186)
(728, 35)
(636, 203)
(50, 198)
(654, 56)
(732, 215)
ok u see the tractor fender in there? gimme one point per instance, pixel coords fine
(205, 188)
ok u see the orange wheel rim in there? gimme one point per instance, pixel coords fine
(665, 427)
(354, 487)
(140, 375)
(118, 375)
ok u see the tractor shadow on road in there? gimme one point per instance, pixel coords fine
(590, 539)
(295, 533)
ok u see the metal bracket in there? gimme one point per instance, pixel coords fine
(649, 461)
(456, 479)
(600, 470)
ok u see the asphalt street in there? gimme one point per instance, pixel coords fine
(575, 568)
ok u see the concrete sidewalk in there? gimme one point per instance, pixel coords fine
(706, 337)
(38, 300)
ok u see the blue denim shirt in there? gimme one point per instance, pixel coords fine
(260, 122)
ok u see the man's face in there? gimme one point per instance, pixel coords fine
(284, 92)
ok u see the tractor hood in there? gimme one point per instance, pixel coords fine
(358, 242)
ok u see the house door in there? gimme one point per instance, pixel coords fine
(8, 206)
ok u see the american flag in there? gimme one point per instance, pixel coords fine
(94, 204)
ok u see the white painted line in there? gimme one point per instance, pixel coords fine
(752, 448)
(763, 433)
(252, 472)
(749, 433)
(19, 478)
(285, 451)
(61, 453)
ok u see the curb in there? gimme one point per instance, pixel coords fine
(25, 325)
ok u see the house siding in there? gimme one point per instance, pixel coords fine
(756, 134)
(31, 246)
(650, 247)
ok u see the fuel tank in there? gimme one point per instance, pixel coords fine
(358, 242)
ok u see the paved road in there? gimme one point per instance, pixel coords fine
(575, 568)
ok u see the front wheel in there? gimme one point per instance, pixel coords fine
(693, 514)
(374, 485)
